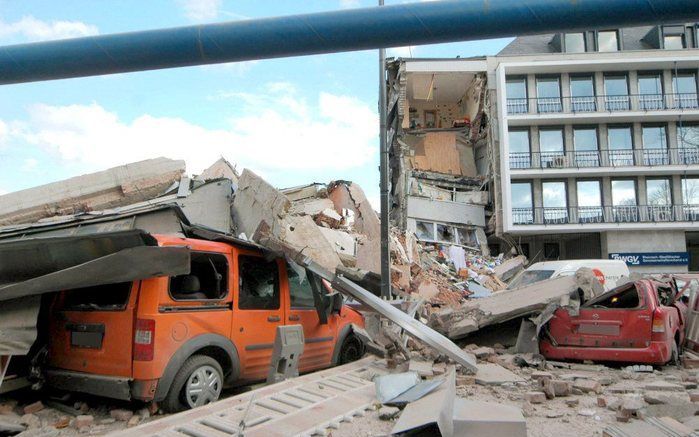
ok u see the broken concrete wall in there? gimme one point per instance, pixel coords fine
(258, 205)
(220, 169)
(117, 186)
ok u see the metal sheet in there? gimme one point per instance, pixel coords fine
(413, 327)
(126, 265)
(18, 319)
(437, 407)
(356, 29)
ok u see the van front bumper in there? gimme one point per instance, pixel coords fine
(114, 387)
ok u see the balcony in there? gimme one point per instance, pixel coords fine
(582, 105)
(604, 158)
(605, 214)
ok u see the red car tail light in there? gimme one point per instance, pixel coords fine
(658, 323)
(144, 340)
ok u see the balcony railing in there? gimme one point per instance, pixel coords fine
(604, 158)
(605, 214)
(604, 103)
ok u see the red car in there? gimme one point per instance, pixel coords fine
(638, 322)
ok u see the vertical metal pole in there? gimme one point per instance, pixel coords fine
(383, 169)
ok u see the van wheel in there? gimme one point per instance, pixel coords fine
(352, 349)
(198, 382)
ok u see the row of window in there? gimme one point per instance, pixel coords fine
(444, 233)
(590, 199)
(670, 37)
(651, 94)
(620, 143)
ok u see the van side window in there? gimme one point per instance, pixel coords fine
(259, 283)
(207, 278)
(300, 290)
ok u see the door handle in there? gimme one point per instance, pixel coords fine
(294, 317)
(273, 319)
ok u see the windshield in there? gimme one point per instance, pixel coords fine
(528, 277)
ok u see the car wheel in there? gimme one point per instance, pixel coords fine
(198, 382)
(352, 349)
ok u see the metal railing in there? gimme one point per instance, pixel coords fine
(604, 158)
(605, 214)
(603, 103)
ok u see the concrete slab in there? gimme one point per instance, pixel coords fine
(494, 374)
(477, 418)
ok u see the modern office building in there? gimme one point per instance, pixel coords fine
(593, 142)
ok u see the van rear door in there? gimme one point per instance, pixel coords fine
(92, 329)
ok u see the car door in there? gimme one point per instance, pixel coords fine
(622, 319)
(319, 338)
(258, 311)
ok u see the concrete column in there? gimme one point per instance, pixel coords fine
(642, 195)
(538, 201)
(607, 198)
(603, 144)
(672, 142)
(677, 194)
(572, 193)
(598, 79)
(638, 143)
(531, 92)
(633, 82)
(667, 83)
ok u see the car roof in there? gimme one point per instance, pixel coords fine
(571, 263)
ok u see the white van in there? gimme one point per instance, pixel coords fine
(608, 271)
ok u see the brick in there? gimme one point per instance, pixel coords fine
(573, 402)
(133, 421)
(539, 375)
(588, 386)
(558, 387)
(694, 396)
(33, 408)
(601, 402)
(83, 421)
(535, 397)
(483, 352)
(121, 414)
(622, 416)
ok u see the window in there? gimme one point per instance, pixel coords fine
(589, 195)
(620, 146)
(548, 93)
(616, 88)
(207, 279)
(674, 42)
(430, 119)
(517, 96)
(259, 283)
(522, 203)
(300, 291)
(467, 237)
(659, 199)
(575, 42)
(445, 234)
(658, 192)
(655, 146)
(551, 147)
(688, 143)
(685, 87)
(650, 88)
(586, 148)
(690, 191)
(555, 202)
(608, 41)
(107, 297)
(519, 148)
(552, 251)
(624, 200)
(424, 231)
(582, 92)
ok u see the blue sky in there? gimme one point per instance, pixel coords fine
(294, 120)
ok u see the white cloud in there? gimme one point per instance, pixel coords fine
(29, 164)
(201, 10)
(401, 52)
(334, 133)
(3, 191)
(236, 68)
(33, 29)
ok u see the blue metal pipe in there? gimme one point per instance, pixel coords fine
(357, 29)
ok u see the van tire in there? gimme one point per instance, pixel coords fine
(175, 399)
(351, 350)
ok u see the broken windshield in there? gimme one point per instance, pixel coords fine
(528, 277)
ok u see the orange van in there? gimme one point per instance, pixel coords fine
(180, 340)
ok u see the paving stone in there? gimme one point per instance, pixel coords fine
(658, 398)
(31, 420)
(535, 397)
(572, 402)
(586, 412)
(483, 352)
(632, 403)
(494, 374)
(539, 375)
(422, 368)
(663, 386)
(83, 421)
(588, 386)
(676, 411)
(33, 408)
